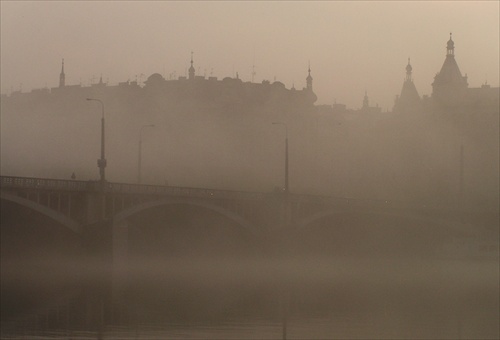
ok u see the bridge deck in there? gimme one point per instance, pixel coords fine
(60, 185)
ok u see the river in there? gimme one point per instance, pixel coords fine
(293, 297)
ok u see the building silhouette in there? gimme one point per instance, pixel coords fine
(366, 108)
(450, 91)
(206, 93)
(62, 76)
(449, 87)
(224, 126)
(409, 99)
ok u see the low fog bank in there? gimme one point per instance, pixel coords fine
(403, 157)
(443, 274)
(251, 270)
(184, 265)
(185, 261)
(410, 298)
(160, 275)
(409, 157)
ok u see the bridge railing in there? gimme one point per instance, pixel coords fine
(126, 188)
(123, 188)
(46, 183)
(352, 203)
(182, 191)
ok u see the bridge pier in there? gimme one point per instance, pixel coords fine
(119, 255)
(94, 211)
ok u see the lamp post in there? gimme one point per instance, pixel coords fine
(287, 219)
(101, 163)
(286, 154)
(139, 162)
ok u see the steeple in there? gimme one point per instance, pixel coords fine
(449, 85)
(365, 101)
(408, 71)
(191, 69)
(450, 47)
(62, 77)
(309, 79)
(409, 100)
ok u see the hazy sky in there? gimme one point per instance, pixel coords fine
(351, 46)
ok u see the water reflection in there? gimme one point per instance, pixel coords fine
(223, 298)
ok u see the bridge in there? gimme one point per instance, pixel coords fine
(78, 204)
(82, 205)
(102, 212)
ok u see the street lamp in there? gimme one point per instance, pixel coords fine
(140, 152)
(101, 163)
(286, 154)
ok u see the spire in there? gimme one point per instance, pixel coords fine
(191, 69)
(309, 79)
(408, 71)
(365, 100)
(409, 99)
(62, 76)
(450, 47)
(449, 85)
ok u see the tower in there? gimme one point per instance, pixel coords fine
(365, 101)
(450, 47)
(449, 87)
(62, 77)
(191, 69)
(409, 98)
(408, 72)
(309, 79)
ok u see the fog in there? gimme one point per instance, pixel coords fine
(216, 95)
(236, 147)
(398, 158)
(191, 276)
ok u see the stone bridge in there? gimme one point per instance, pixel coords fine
(101, 212)
(79, 204)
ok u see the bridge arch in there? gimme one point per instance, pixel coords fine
(311, 220)
(52, 214)
(377, 233)
(122, 216)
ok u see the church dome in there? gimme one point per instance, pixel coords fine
(155, 79)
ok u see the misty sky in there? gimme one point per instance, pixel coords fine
(351, 46)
